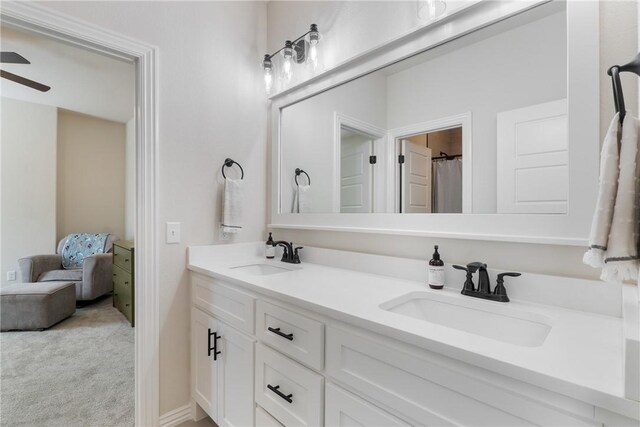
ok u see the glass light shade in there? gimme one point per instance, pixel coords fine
(287, 63)
(268, 80)
(429, 10)
(313, 55)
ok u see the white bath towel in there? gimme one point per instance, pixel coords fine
(302, 199)
(613, 244)
(232, 206)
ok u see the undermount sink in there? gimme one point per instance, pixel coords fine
(261, 269)
(482, 318)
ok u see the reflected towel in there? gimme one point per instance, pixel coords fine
(302, 199)
(613, 244)
(232, 206)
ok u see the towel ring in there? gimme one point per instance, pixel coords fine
(228, 163)
(300, 171)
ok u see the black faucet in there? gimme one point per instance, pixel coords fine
(484, 284)
(290, 254)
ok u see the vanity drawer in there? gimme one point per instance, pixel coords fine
(264, 419)
(346, 409)
(234, 307)
(291, 333)
(290, 392)
(431, 390)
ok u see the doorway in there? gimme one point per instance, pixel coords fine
(29, 17)
(430, 169)
(431, 166)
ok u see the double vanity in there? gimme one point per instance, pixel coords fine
(355, 339)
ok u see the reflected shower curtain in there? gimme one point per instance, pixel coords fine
(447, 186)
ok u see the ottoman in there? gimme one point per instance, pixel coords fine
(25, 306)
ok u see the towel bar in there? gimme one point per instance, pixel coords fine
(228, 163)
(300, 171)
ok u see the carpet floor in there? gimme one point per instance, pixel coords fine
(78, 373)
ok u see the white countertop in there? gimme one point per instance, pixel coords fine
(582, 357)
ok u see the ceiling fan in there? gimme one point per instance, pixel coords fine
(14, 58)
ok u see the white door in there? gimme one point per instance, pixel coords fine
(345, 409)
(532, 161)
(235, 383)
(204, 368)
(355, 176)
(416, 178)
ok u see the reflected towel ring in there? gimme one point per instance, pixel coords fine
(300, 171)
(228, 163)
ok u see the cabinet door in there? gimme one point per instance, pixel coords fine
(204, 369)
(235, 382)
(345, 409)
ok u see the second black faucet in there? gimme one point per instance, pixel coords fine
(290, 253)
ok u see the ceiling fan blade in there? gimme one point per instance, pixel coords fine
(23, 81)
(13, 58)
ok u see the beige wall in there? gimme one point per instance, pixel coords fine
(28, 182)
(619, 44)
(91, 175)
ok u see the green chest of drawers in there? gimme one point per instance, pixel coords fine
(123, 278)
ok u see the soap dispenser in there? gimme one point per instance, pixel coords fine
(436, 271)
(269, 249)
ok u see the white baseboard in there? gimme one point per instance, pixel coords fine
(176, 416)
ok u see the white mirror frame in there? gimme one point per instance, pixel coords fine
(583, 129)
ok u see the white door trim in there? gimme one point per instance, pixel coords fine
(51, 23)
(463, 120)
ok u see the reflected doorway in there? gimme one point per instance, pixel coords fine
(430, 172)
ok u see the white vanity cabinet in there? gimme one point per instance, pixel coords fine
(280, 364)
(222, 365)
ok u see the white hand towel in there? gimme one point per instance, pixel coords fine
(614, 246)
(608, 185)
(304, 198)
(232, 206)
(622, 260)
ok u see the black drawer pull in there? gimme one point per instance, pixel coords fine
(286, 397)
(126, 283)
(282, 334)
(215, 345)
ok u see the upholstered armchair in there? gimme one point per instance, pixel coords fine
(93, 280)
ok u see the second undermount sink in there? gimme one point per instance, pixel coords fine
(502, 323)
(261, 269)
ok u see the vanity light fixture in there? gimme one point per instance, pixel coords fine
(298, 51)
(430, 10)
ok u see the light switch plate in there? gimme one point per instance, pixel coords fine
(173, 232)
(11, 275)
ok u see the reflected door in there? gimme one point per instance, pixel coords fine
(416, 178)
(355, 175)
(533, 159)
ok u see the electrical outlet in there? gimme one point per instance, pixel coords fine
(11, 275)
(173, 232)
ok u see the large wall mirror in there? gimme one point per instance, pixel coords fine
(477, 125)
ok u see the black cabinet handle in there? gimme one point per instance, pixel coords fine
(282, 334)
(215, 344)
(286, 397)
